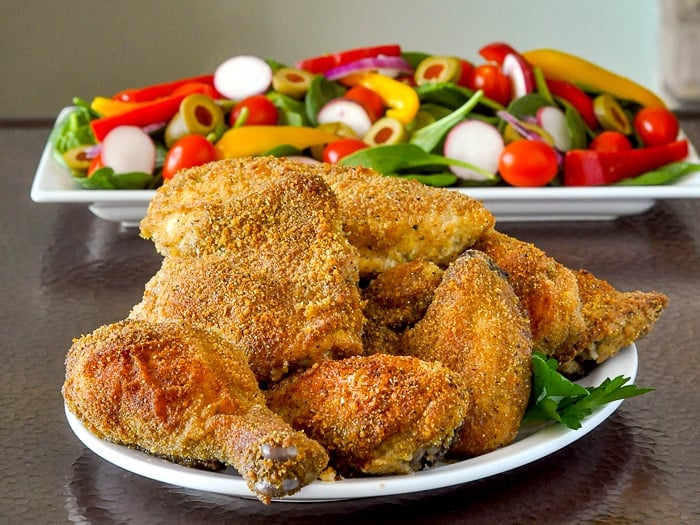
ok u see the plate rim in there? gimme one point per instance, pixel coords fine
(538, 445)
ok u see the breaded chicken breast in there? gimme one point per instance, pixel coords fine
(378, 414)
(186, 392)
(547, 289)
(614, 319)
(477, 327)
(388, 220)
(273, 270)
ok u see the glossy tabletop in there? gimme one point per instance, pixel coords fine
(64, 272)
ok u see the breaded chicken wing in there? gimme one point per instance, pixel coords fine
(546, 288)
(614, 319)
(378, 414)
(477, 327)
(273, 270)
(389, 220)
(182, 391)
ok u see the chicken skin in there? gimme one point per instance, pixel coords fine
(547, 289)
(477, 327)
(388, 220)
(375, 415)
(178, 390)
(614, 319)
(273, 270)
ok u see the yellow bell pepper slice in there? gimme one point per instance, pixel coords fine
(401, 99)
(246, 141)
(564, 66)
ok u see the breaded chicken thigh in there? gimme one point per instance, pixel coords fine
(186, 392)
(378, 414)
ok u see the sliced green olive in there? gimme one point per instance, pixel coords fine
(610, 115)
(385, 131)
(291, 81)
(76, 158)
(510, 134)
(198, 115)
(436, 69)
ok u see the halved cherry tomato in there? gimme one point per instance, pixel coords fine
(610, 141)
(491, 80)
(528, 163)
(261, 111)
(656, 126)
(368, 99)
(322, 63)
(336, 150)
(187, 152)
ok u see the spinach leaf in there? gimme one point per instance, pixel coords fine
(665, 175)
(292, 111)
(321, 90)
(428, 137)
(72, 131)
(106, 179)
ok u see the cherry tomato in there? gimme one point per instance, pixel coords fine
(496, 52)
(261, 111)
(528, 163)
(336, 150)
(368, 99)
(610, 141)
(656, 126)
(491, 80)
(466, 73)
(187, 152)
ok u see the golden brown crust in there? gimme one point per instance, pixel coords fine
(614, 319)
(389, 220)
(546, 288)
(477, 327)
(273, 270)
(179, 390)
(377, 414)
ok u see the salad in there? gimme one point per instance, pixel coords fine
(536, 118)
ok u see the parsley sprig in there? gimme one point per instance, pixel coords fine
(556, 398)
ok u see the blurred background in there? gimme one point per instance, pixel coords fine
(52, 51)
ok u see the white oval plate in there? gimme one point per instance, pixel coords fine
(531, 444)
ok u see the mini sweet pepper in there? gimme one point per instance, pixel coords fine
(401, 99)
(247, 141)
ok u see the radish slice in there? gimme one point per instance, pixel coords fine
(553, 121)
(475, 142)
(520, 74)
(348, 112)
(242, 76)
(128, 149)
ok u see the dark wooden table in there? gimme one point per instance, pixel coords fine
(65, 272)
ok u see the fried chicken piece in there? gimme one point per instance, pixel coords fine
(547, 289)
(378, 414)
(184, 391)
(614, 319)
(398, 297)
(273, 270)
(477, 327)
(389, 220)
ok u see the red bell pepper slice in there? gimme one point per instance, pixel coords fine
(593, 168)
(576, 97)
(146, 113)
(155, 91)
(322, 63)
(496, 52)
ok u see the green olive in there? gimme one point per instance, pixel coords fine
(76, 158)
(291, 81)
(610, 115)
(510, 134)
(198, 115)
(385, 131)
(437, 69)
